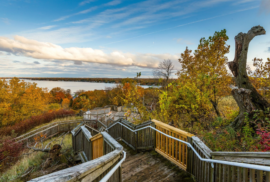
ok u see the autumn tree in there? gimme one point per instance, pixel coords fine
(209, 63)
(59, 94)
(185, 103)
(20, 100)
(246, 95)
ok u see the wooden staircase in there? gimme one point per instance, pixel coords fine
(150, 167)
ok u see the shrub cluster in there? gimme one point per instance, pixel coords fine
(34, 121)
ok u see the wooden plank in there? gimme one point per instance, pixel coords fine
(211, 178)
(245, 175)
(167, 132)
(259, 175)
(252, 175)
(183, 152)
(233, 174)
(239, 174)
(180, 145)
(267, 176)
(171, 128)
(171, 159)
(220, 172)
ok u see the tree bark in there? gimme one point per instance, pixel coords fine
(246, 96)
(215, 107)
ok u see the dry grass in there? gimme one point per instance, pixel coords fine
(33, 160)
(227, 105)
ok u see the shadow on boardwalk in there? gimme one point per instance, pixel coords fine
(151, 167)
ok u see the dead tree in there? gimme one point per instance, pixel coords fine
(246, 96)
(164, 71)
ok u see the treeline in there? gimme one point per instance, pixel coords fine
(142, 81)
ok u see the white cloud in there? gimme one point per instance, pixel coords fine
(86, 2)
(87, 10)
(113, 3)
(60, 36)
(243, 2)
(47, 27)
(63, 18)
(48, 51)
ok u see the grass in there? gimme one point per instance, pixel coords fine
(227, 105)
(34, 159)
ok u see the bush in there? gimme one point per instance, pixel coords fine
(34, 121)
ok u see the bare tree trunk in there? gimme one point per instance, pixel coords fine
(246, 96)
(215, 107)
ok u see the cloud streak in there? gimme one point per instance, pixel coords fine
(85, 2)
(48, 51)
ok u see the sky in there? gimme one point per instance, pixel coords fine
(118, 38)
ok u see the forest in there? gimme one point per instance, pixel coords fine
(204, 100)
(143, 81)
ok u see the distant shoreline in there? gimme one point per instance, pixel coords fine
(142, 81)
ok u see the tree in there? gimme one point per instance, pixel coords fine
(208, 63)
(164, 72)
(246, 95)
(20, 100)
(65, 103)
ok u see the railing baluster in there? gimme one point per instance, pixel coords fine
(245, 175)
(259, 176)
(233, 174)
(267, 176)
(239, 174)
(252, 175)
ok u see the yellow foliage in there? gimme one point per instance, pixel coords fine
(20, 100)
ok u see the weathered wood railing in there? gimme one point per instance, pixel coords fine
(191, 154)
(231, 173)
(45, 127)
(100, 153)
(172, 149)
(141, 140)
(51, 131)
(180, 147)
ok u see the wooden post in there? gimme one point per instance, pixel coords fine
(212, 171)
(154, 135)
(189, 156)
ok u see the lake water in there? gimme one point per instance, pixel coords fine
(74, 86)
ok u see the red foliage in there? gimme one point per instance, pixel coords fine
(9, 148)
(265, 139)
(34, 121)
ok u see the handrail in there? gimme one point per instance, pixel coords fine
(251, 166)
(110, 173)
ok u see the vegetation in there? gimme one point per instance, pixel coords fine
(199, 101)
(34, 160)
(143, 81)
(26, 125)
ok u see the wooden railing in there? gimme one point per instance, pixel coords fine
(180, 147)
(173, 150)
(50, 130)
(200, 169)
(141, 140)
(231, 173)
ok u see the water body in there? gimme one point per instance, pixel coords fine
(74, 86)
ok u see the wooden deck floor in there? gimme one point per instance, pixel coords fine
(151, 167)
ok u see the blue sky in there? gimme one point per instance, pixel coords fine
(117, 38)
